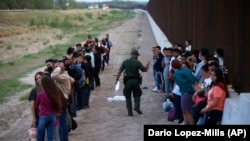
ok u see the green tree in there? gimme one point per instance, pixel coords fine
(62, 4)
(48, 4)
(40, 4)
(44, 4)
(29, 4)
(75, 5)
(3, 4)
(11, 4)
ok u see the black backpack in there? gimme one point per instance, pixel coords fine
(81, 81)
(72, 123)
(79, 75)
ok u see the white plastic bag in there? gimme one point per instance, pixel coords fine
(116, 98)
(32, 134)
(167, 105)
(117, 86)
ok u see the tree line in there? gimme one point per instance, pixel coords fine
(65, 4)
(40, 4)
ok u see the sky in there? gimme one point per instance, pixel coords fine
(109, 0)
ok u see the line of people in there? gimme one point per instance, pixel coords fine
(64, 87)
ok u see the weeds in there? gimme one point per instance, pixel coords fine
(11, 63)
(9, 47)
(45, 42)
(24, 97)
(80, 18)
(138, 33)
(89, 15)
(59, 36)
(1, 63)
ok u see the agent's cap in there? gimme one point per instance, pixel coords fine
(134, 52)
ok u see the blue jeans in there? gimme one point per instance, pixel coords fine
(86, 95)
(167, 83)
(107, 56)
(158, 79)
(91, 83)
(79, 93)
(201, 120)
(63, 127)
(75, 104)
(103, 62)
(154, 74)
(56, 134)
(46, 123)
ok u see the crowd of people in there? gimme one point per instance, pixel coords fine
(195, 81)
(64, 87)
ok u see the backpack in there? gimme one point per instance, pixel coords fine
(74, 72)
(79, 75)
(171, 115)
(72, 123)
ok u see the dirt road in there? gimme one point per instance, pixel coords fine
(108, 121)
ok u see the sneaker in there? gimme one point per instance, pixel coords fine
(182, 123)
(155, 89)
(176, 120)
(159, 91)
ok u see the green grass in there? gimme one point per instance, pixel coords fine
(24, 97)
(12, 70)
(10, 87)
(139, 33)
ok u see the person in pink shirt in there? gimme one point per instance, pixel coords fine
(216, 98)
(50, 103)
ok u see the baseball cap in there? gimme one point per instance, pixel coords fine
(134, 52)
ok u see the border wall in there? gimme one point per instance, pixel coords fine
(211, 24)
(236, 107)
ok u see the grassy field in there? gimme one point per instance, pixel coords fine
(27, 39)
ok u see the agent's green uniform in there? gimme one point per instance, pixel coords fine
(131, 69)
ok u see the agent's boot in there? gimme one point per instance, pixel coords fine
(138, 111)
(130, 113)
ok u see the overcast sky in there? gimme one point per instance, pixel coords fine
(109, 0)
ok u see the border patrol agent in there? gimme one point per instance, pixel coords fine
(132, 80)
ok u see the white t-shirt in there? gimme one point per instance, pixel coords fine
(176, 90)
(92, 58)
(207, 82)
(188, 48)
